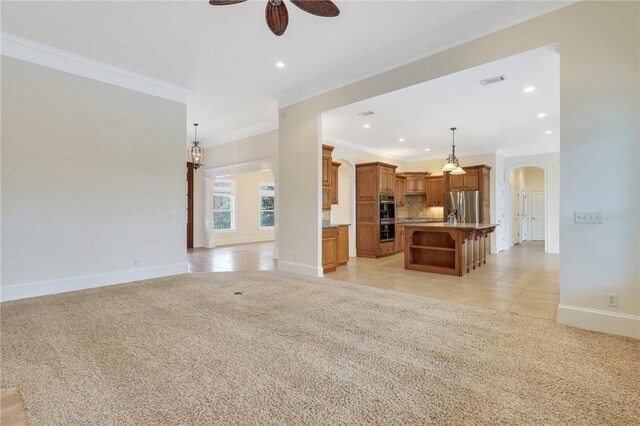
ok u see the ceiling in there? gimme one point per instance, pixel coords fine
(499, 116)
(226, 55)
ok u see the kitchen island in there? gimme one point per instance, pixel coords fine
(443, 248)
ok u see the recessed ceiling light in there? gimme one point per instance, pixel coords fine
(280, 64)
(548, 132)
(401, 140)
(366, 126)
(529, 89)
(427, 149)
(542, 115)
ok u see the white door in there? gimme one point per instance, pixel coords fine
(515, 216)
(537, 215)
(524, 216)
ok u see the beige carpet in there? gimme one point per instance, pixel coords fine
(289, 350)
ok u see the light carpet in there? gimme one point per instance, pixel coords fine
(293, 350)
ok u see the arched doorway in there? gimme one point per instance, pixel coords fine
(526, 206)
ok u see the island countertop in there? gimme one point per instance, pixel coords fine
(445, 225)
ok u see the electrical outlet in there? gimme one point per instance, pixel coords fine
(612, 299)
(136, 262)
(587, 217)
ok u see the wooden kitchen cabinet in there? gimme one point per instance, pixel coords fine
(387, 180)
(372, 180)
(399, 241)
(470, 181)
(326, 177)
(415, 183)
(343, 245)
(335, 247)
(329, 249)
(456, 182)
(326, 164)
(434, 188)
(334, 182)
(401, 183)
(326, 198)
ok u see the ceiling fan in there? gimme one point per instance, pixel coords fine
(277, 15)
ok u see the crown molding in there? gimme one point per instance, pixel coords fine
(341, 142)
(256, 129)
(61, 60)
(489, 20)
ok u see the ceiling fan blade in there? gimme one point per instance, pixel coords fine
(224, 2)
(277, 17)
(318, 7)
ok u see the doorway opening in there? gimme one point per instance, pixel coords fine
(344, 208)
(526, 205)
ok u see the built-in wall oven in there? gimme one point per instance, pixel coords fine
(387, 218)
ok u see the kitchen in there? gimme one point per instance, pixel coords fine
(389, 203)
(393, 192)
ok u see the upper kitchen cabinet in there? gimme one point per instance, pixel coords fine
(326, 165)
(374, 179)
(387, 178)
(415, 182)
(470, 181)
(401, 184)
(334, 182)
(434, 188)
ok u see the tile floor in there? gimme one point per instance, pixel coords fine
(523, 280)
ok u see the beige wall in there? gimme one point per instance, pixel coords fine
(93, 177)
(527, 178)
(253, 148)
(247, 224)
(340, 213)
(599, 116)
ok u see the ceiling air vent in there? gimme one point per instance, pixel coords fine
(488, 81)
(366, 113)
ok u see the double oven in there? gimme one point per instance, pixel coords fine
(387, 218)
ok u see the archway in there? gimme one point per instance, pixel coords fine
(529, 187)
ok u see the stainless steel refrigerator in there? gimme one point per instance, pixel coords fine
(464, 204)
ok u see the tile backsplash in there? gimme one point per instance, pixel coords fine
(415, 207)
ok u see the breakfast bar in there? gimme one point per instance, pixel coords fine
(444, 248)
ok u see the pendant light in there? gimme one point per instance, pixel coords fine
(196, 153)
(453, 166)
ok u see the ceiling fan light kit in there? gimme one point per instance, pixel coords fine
(276, 13)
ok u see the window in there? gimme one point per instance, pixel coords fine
(223, 205)
(267, 205)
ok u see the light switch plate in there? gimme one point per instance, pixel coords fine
(587, 217)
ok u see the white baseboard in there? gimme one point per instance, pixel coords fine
(297, 268)
(63, 285)
(597, 320)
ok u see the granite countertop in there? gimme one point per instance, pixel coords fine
(455, 226)
(326, 225)
(415, 220)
